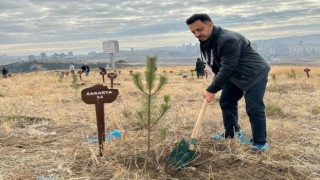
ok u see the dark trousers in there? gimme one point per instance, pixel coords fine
(255, 108)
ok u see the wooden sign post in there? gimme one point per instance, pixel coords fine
(112, 76)
(103, 71)
(99, 95)
(102, 74)
(307, 71)
(80, 72)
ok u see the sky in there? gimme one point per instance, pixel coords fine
(35, 26)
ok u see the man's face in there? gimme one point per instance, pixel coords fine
(201, 30)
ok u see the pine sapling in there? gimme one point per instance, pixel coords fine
(149, 114)
(75, 83)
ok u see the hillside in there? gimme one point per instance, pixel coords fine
(271, 49)
(312, 38)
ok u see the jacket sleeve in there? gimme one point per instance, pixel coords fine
(230, 53)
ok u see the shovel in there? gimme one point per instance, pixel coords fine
(184, 153)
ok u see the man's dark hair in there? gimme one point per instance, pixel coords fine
(201, 17)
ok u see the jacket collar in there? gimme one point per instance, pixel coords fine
(208, 47)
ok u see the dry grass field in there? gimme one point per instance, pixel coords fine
(44, 127)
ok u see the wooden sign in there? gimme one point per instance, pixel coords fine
(80, 72)
(307, 71)
(102, 73)
(99, 95)
(112, 76)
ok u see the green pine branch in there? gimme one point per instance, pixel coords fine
(149, 113)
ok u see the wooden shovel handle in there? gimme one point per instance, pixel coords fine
(197, 126)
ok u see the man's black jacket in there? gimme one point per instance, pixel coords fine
(235, 59)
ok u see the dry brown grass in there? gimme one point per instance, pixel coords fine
(44, 125)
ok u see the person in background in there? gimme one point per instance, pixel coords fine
(4, 72)
(240, 72)
(85, 68)
(71, 68)
(200, 66)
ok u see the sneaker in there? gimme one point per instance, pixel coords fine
(217, 137)
(241, 136)
(260, 147)
(250, 141)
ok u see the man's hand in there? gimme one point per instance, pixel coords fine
(209, 96)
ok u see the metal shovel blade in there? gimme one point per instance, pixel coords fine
(181, 155)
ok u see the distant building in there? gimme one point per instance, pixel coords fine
(70, 54)
(55, 56)
(43, 56)
(92, 53)
(296, 49)
(304, 49)
(32, 57)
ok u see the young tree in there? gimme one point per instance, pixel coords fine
(149, 114)
(75, 83)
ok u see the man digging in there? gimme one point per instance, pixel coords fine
(240, 72)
